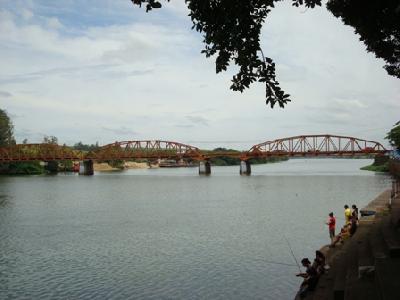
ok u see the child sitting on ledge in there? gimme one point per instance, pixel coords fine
(342, 236)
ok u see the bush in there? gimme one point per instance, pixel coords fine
(22, 168)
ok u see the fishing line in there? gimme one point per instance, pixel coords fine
(279, 263)
(291, 251)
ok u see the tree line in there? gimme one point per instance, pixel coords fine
(33, 167)
(7, 140)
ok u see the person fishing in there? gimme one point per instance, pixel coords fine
(331, 226)
(310, 278)
(347, 214)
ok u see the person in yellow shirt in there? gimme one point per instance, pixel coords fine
(347, 214)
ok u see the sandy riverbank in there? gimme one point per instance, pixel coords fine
(135, 165)
(105, 167)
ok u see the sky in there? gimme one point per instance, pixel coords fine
(105, 70)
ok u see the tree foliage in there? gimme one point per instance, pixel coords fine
(50, 140)
(22, 168)
(231, 31)
(6, 130)
(378, 24)
(394, 136)
(86, 147)
(7, 139)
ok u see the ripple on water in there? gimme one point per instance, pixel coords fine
(166, 237)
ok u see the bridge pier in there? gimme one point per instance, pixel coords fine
(245, 167)
(86, 167)
(51, 166)
(204, 167)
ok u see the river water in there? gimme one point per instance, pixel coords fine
(170, 233)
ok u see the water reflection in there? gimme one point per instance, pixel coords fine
(3, 200)
(171, 234)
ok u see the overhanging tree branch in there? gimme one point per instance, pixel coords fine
(231, 32)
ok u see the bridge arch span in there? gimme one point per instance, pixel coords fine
(314, 145)
(144, 149)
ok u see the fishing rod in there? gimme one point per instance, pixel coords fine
(291, 251)
(279, 263)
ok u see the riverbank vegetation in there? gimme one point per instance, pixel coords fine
(232, 161)
(6, 130)
(381, 162)
(394, 136)
(18, 168)
(377, 168)
(86, 147)
(26, 167)
(218, 158)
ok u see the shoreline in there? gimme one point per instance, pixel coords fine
(105, 167)
(380, 204)
(367, 265)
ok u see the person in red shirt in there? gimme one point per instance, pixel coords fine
(331, 225)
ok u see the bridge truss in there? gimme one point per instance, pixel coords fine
(304, 145)
(144, 150)
(316, 145)
(39, 152)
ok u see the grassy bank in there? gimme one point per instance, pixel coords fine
(230, 161)
(377, 168)
(21, 168)
(381, 164)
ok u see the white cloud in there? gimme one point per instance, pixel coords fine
(5, 94)
(26, 14)
(140, 80)
(198, 120)
(54, 23)
(122, 130)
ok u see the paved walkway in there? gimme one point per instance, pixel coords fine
(367, 266)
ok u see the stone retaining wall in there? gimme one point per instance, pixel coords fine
(394, 167)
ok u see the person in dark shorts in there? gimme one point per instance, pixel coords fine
(354, 212)
(353, 225)
(319, 262)
(331, 225)
(310, 278)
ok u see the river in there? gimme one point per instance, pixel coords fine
(170, 233)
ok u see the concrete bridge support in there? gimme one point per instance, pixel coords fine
(86, 167)
(245, 167)
(51, 166)
(204, 167)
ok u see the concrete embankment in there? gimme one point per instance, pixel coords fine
(366, 266)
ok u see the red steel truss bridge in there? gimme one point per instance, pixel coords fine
(303, 146)
(316, 145)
